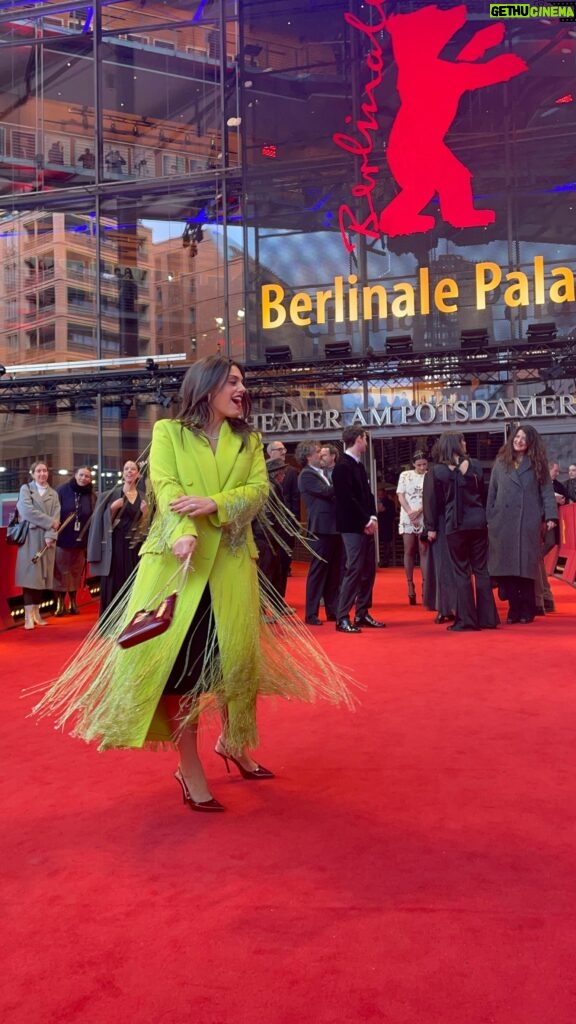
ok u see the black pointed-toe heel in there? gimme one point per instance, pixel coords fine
(259, 772)
(196, 805)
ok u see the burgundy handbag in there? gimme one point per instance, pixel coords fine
(144, 625)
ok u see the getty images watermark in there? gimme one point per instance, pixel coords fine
(566, 12)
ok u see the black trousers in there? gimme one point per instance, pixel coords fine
(468, 551)
(323, 579)
(359, 574)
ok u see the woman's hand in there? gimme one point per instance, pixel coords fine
(143, 506)
(184, 547)
(116, 506)
(432, 534)
(55, 524)
(49, 543)
(193, 506)
(550, 524)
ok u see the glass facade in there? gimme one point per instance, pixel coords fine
(254, 177)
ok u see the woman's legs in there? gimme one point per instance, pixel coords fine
(410, 542)
(242, 756)
(32, 599)
(190, 764)
(527, 599)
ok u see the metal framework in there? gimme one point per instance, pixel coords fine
(526, 360)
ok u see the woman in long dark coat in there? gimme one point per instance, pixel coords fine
(455, 488)
(38, 503)
(113, 541)
(520, 499)
(77, 500)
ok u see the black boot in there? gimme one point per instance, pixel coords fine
(73, 606)
(60, 605)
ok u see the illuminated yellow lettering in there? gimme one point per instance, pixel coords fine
(375, 291)
(272, 295)
(562, 291)
(338, 301)
(352, 299)
(321, 299)
(301, 303)
(517, 294)
(539, 281)
(488, 277)
(424, 277)
(403, 305)
(444, 290)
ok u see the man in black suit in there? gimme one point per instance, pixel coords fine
(357, 521)
(323, 578)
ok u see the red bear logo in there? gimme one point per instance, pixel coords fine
(430, 89)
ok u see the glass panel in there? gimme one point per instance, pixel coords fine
(173, 185)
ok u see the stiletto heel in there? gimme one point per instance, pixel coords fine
(411, 593)
(195, 805)
(259, 772)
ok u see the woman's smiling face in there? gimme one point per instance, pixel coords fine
(520, 442)
(40, 474)
(227, 402)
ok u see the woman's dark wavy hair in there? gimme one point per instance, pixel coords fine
(203, 379)
(446, 447)
(536, 451)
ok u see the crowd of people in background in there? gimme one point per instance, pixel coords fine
(463, 535)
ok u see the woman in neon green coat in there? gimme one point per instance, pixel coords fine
(209, 480)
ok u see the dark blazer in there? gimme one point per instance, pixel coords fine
(355, 502)
(290, 491)
(319, 501)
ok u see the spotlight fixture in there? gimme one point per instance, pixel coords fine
(474, 339)
(337, 349)
(278, 354)
(541, 331)
(399, 344)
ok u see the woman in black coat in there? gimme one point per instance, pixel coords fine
(115, 534)
(77, 499)
(455, 488)
(520, 499)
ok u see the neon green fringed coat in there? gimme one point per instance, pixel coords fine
(112, 695)
(120, 708)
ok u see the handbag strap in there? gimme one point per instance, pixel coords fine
(179, 575)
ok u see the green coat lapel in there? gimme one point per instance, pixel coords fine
(226, 455)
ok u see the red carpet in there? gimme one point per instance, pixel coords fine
(413, 863)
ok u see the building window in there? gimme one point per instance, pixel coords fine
(10, 277)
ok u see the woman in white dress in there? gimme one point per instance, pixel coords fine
(409, 491)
